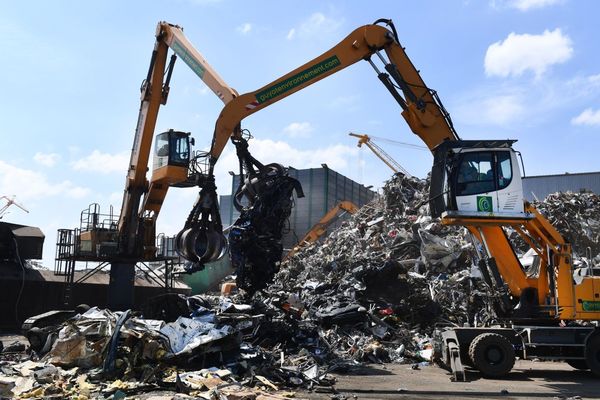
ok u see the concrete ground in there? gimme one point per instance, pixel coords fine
(528, 380)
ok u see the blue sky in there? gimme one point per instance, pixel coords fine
(71, 71)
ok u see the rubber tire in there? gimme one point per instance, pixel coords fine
(592, 354)
(578, 364)
(503, 354)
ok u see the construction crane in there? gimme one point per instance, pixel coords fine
(320, 228)
(382, 154)
(9, 202)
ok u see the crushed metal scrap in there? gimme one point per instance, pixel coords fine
(101, 354)
(378, 285)
(577, 217)
(372, 291)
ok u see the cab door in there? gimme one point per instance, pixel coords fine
(508, 182)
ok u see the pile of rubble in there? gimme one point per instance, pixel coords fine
(577, 217)
(372, 291)
(378, 285)
(101, 354)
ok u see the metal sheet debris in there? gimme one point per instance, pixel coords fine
(370, 292)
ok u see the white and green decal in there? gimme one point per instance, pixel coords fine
(591, 305)
(187, 58)
(300, 78)
(484, 203)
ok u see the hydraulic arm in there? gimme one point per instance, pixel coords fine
(474, 183)
(142, 200)
(132, 238)
(421, 108)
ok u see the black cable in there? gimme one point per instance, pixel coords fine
(389, 23)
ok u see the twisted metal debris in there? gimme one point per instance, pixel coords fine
(372, 291)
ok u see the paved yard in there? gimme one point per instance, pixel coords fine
(527, 380)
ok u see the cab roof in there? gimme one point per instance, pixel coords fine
(472, 144)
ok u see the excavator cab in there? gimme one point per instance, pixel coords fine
(172, 148)
(478, 178)
(171, 156)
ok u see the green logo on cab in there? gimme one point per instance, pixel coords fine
(484, 203)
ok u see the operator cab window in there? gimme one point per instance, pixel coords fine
(180, 152)
(504, 169)
(475, 173)
(161, 146)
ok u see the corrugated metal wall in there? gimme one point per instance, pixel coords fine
(323, 189)
(541, 186)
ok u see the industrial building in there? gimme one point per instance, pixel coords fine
(323, 189)
(540, 186)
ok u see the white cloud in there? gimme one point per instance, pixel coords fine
(245, 28)
(204, 2)
(502, 109)
(518, 103)
(104, 163)
(115, 198)
(589, 83)
(317, 24)
(27, 184)
(291, 34)
(298, 129)
(338, 157)
(347, 102)
(76, 192)
(594, 79)
(588, 117)
(526, 5)
(46, 159)
(579, 91)
(521, 52)
(496, 106)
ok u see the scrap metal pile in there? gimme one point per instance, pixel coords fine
(101, 354)
(378, 285)
(372, 291)
(577, 217)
